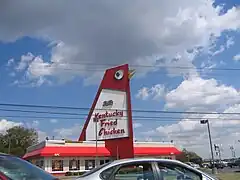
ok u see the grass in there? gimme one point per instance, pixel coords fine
(229, 176)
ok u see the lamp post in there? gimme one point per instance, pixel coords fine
(96, 137)
(214, 170)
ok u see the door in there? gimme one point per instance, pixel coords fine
(135, 171)
(176, 171)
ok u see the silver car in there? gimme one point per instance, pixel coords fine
(145, 169)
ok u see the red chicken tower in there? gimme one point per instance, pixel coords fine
(110, 117)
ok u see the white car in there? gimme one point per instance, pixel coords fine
(145, 169)
(193, 165)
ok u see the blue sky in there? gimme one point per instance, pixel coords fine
(41, 44)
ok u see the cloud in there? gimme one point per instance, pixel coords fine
(206, 95)
(192, 135)
(230, 42)
(68, 133)
(53, 120)
(41, 135)
(6, 124)
(137, 125)
(156, 92)
(166, 33)
(202, 94)
(236, 57)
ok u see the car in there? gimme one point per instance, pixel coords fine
(193, 165)
(15, 168)
(145, 169)
(234, 163)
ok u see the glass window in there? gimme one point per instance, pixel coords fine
(89, 164)
(74, 165)
(57, 165)
(94, 170)
(16, 168)
(135, 171)
(105, 175)
(172, 171)
(102, 162)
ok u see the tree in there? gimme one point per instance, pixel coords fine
(189, 156)
(16, 140)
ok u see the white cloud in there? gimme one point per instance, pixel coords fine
(6, 124)
(166, 29)
(41, 135)
(53, 120)
(156, 92)
(10, 62)
(69, 133)
(137, 125)
(201, 94)
(207, 95)
(192, 135)
(230, 42)
(236, 57)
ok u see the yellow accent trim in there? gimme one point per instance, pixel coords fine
(131, 73)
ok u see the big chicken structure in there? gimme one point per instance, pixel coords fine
(106, 135)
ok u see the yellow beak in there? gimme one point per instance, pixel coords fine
(131, 73)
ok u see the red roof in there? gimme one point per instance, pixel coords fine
(102, 151)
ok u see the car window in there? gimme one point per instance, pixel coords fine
(94, 170)
(105, 175)
(18, 169)
(175, 172)
(135, 171)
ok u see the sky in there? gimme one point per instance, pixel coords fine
(186, 55)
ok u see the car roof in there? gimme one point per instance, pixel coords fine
(129, 160)
(4, 154)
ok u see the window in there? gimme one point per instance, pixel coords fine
(105, 175)
(173, 171)
(135, 171)
(74, 165)
(57, 165)
(101, 162)
(94, 170)
(89, 164)
(40, 163)
(16, 168)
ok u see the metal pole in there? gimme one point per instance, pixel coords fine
(9, 145)
(96, 137)
(117, 153)
(214, 171)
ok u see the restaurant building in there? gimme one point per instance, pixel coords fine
(59, 156)
(110, 124)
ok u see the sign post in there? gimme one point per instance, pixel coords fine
(96, 137)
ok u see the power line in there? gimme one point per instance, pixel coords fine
(148, 66)
(87, 109)
(137, 118)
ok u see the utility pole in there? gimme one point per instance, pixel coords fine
(96, 137)
(233, 152)
(214, 170)
(9, 145)
(218, 151)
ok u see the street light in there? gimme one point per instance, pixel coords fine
(214, 170)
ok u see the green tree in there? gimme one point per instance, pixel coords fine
(189, 156)
(16, 140)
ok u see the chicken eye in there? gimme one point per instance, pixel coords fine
(118, 74)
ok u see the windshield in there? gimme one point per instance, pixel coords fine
(94, 170)
(18, 169)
